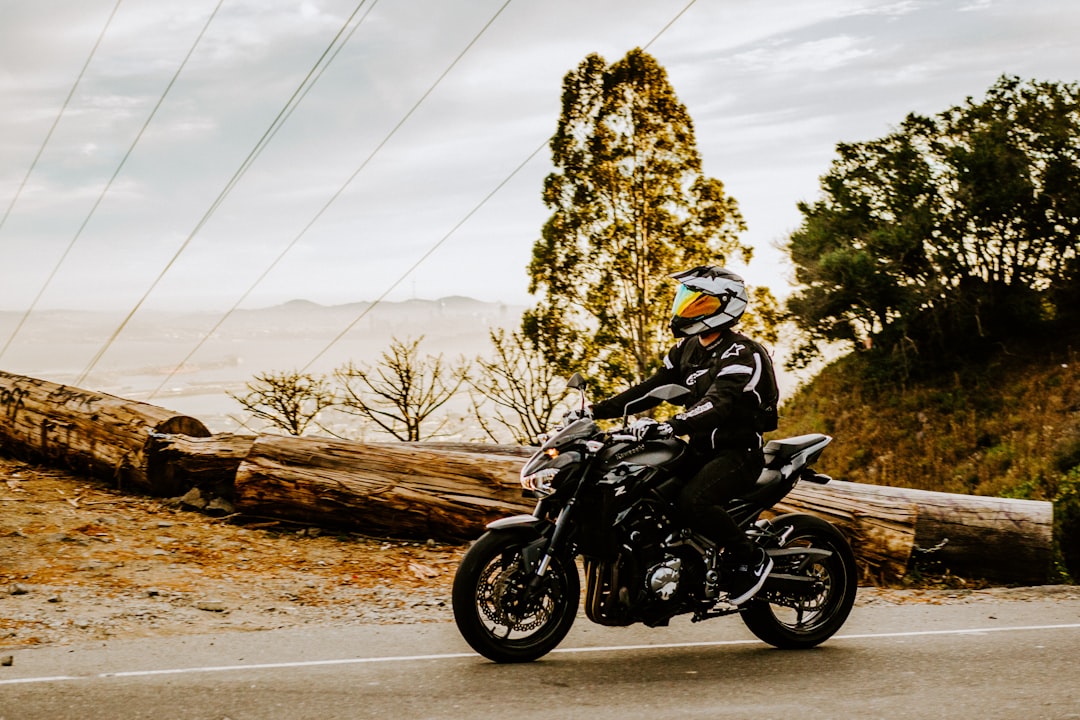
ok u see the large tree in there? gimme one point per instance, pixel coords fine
(951, 232)
(630, 205)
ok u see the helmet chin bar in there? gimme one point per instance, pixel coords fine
(717, 322)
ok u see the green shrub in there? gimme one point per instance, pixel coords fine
(1067, 522)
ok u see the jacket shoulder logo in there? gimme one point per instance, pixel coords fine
(733, 351)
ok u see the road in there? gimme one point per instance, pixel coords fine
(983, 660)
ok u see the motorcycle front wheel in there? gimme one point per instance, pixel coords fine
(496, 609)
(807, 619)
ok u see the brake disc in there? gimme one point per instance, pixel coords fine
(496, 600)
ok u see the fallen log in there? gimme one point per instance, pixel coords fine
(95, 433)
(882, 533)
(404, 491)
(181, 462)
(521, 451)
(422, 491)
(997, 539)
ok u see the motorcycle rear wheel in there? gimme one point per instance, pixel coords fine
(802, 622)
(496, 614)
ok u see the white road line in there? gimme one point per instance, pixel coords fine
(971, 631)
(458, 656)
(54, 678)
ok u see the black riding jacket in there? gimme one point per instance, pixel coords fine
(733, 393)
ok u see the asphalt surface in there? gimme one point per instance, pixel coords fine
(984, 660)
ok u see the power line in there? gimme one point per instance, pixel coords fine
(108, 185)
(244, 166)
(336, 195)
(221, 321)
(59, 115)
(669, 24)
(430, 251)
(322, 70)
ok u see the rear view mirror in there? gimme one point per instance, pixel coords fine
(667, 393)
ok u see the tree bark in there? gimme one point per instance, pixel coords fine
(882, 533)
(421, 491)
(521, 451)
(95, 433)
(996, 539)
(404, 491)
(180, 462)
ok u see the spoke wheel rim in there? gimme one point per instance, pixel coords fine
(807, 615)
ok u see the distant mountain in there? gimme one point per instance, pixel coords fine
(57, 345)
(300, 305)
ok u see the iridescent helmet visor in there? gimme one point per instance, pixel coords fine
(690, 303)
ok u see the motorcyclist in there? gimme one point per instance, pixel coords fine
(733, 401)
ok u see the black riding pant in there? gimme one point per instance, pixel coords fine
(717, 478)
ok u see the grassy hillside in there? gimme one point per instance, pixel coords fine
(1008, 427)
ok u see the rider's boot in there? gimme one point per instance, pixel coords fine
(748, 572)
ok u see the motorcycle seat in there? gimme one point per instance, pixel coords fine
(779, 452)
(767, 477)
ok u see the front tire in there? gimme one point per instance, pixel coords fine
(496, 614)
(790, 622)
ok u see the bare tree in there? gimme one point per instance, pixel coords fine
(523, 387)
(402, 391)
(289, 401)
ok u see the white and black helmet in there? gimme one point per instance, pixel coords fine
(709, 298)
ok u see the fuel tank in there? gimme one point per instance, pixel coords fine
(650, 453)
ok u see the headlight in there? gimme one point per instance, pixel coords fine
(540, 481)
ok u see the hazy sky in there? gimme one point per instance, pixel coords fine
(771, 85)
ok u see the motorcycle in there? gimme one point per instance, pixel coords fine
(609, 497)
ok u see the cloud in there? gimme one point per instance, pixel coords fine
(797, 58)
(889, 9)
(772, 87)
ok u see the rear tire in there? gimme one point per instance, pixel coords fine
(791, 622)
(494, 613)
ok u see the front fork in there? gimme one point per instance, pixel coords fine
(562, 524)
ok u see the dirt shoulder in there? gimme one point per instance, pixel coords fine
(80, 561)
